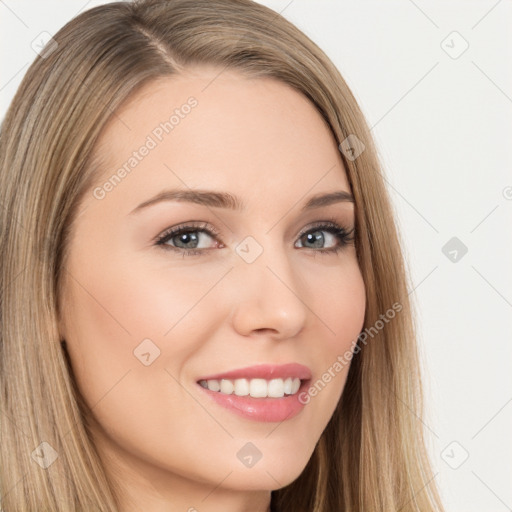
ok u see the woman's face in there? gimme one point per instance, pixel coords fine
(146, 322)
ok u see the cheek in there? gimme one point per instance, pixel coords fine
(117, 314)
(126, 304)
(114, 312)
(339, 305)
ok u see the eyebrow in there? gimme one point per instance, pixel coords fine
(226, 200)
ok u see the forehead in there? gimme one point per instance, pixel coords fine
(220, 129)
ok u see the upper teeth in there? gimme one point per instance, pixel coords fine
(257, 388)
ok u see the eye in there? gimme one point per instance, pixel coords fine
(186, 239)
(341, 236)
(191, 239)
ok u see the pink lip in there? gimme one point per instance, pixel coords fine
(262, 409)
(265, 371)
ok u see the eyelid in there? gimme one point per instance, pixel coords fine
(318, 224)
(348, 234)
(195, 225)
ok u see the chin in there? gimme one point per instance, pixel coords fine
(268, 475)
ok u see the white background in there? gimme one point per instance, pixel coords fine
(443, 128)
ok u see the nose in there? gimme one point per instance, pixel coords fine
(268, 300)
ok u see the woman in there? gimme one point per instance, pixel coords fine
(204, 304)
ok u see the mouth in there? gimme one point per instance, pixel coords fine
(256, 388)
(262, 393)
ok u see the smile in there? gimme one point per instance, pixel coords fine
(266, 392)
(257, 388)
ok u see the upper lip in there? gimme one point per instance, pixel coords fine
(265, 371)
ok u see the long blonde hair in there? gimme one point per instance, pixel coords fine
(372, 455)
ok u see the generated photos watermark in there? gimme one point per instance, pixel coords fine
(344, 359)
(152, 140)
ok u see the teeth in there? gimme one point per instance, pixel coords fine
(213, 385)
(257, 388)
(275, 388)
(288, 383)
(241, 387)
(226, 386)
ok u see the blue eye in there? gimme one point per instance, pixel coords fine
(314, 236)
(187, 238)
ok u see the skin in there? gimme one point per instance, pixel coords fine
(166, 443)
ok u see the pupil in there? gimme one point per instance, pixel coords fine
(316, 238)
(187, 237)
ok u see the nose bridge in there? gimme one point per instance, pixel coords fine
(270, 293)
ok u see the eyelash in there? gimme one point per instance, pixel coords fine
(344, 235)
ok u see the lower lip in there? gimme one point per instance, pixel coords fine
(260, 409)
